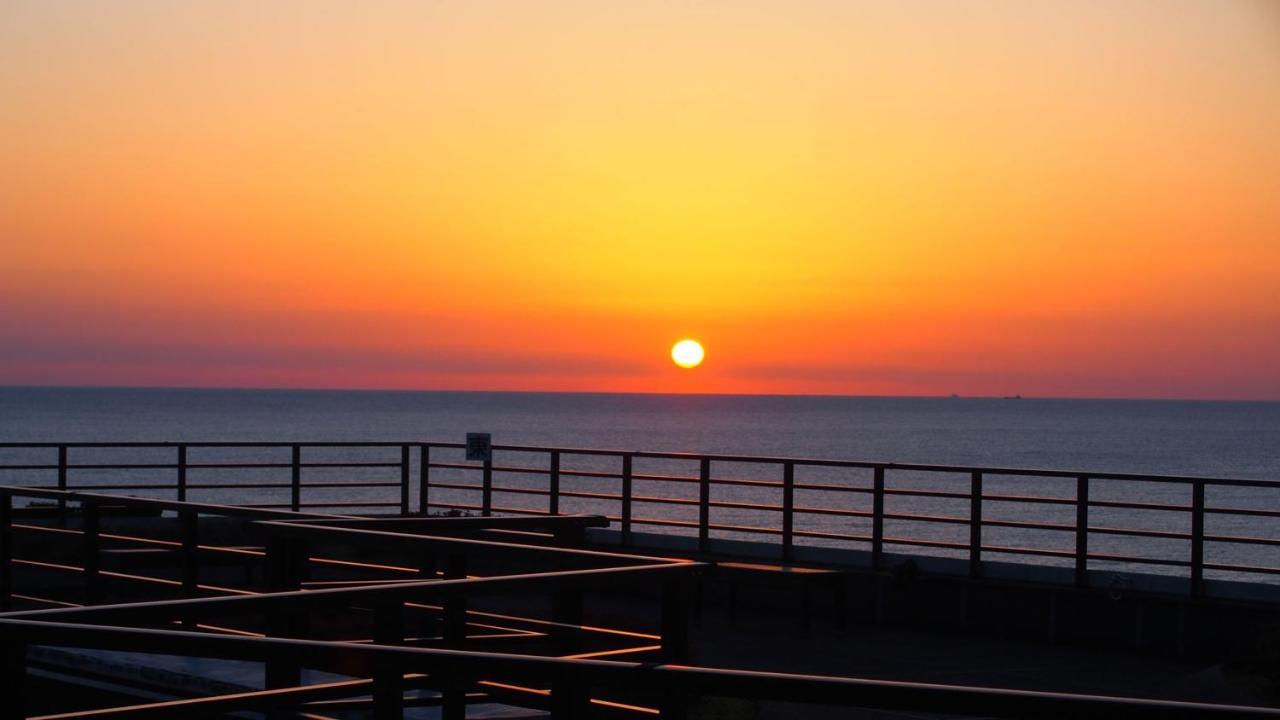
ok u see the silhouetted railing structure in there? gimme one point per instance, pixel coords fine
(337, 595)
(859, 503)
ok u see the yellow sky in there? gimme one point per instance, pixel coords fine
(1065, 198)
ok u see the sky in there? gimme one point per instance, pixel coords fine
(1054, 198)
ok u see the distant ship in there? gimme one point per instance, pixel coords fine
(1012, 397)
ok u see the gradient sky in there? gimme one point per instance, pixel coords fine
(1045, 198)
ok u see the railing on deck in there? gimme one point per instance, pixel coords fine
(421, 466)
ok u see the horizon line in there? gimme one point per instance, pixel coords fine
(480, 391)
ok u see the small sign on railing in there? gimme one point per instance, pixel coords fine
(479, 446)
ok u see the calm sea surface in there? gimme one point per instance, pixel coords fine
(1218, 439)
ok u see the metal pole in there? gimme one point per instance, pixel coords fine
(704, 506)
(877, 519)
(486, 499)
(92, 558)
(424, 478)
(1082, 531)
(404, 479)
(975, 524)
(388, 678)
(62, 480)
(182, 473)
(1197, 539)
(626, 499)
(295, 480)
(554, 482)
(788, 508)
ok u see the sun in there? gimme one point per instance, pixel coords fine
(687, 353)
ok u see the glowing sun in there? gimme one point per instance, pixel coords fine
(687, 353)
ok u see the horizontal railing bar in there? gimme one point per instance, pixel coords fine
(1242, 539)
(1244, 512)
(916, 517)
(174, 505)
(1242, 568)
(235, 465)
(350, 504)
(1037, 499)
(657, 521)
(926, 543)
(655, 500)
(1026, 525)
(237, 486)
(124, 466)
(831, 488)
(832, 535)
(1140, 532)
(1139, 560)
(346, 464)
(1139, 505)
(146, 579)
(830, 511)
(344, 483)
(926, 493)
(454, 486)
(1044, 552)
(127, 486)
(745, 529)
(454, 506)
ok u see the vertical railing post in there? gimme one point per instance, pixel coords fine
(1082, 531)
(486, 491)
(189, 522)
(1197, 538)
(675, 639)
(704, 505)
(388, 676)
(788, 509)
(404, 479)
(553, 481)
(286, 564)
(454, 634)
(62, 481)
(877, 518)
(182, 473)
(975, 524)
(92, 553)
(675, 619)
(626, 499)
(295, 480)
(424, 478)
(6, 553)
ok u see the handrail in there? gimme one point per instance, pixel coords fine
(663, 455)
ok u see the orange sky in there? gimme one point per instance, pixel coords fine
(1049, 198)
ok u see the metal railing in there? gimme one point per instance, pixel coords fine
(564, 686)
(1078, 520)
(435, 598)
(280, 623)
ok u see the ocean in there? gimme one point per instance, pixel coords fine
(1214, 439)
